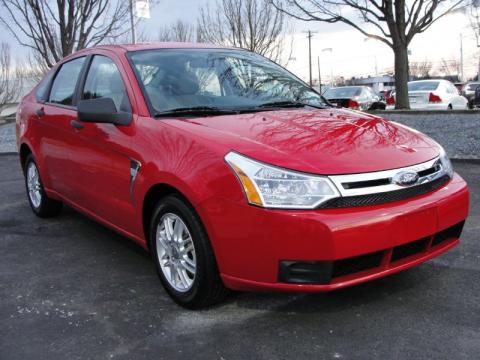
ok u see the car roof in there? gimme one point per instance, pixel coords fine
(156, 45)
(123, 48)
(348, 86)
(427, 80)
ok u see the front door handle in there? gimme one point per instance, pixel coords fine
(76, 124)
(40, 112)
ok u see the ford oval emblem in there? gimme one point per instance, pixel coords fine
(405, 178)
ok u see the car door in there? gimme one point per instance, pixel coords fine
(105, 164)
(54, 117)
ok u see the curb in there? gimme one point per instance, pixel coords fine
(463, 160)
(466, 161)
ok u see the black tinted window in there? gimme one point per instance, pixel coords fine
(64, 84)
(105, 81)
(342, 92)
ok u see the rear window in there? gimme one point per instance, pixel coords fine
(342, 92)
(423, 86)
(63, 86)
(41, 93)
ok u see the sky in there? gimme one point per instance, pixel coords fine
(350, 54)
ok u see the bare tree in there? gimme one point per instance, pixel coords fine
(254, 25)
(179, 31)
(420, 69)
(449, 67)
(473, 12)
(394, 23)
(11, 80)
(55, 29)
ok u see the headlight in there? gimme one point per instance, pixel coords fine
(446, 163)
(272, 187)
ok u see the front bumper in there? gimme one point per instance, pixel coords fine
(251, 244)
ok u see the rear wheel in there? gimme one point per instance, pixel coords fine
(183, 255)
(449, 107)
(41, 204)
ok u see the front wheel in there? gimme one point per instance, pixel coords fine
(41, 204)
(183, 255)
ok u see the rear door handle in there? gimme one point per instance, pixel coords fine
(76, 124)
(40, 112)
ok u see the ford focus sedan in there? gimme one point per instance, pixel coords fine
(233, 173)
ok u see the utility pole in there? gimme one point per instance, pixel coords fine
(461, 58)
(132, 22)
(309, 36)
(319, 77)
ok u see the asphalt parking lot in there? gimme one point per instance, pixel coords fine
(72, 289)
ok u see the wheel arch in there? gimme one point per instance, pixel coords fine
(24, 151)
(150, 200)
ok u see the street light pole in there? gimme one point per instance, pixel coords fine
(132, 22)
(461, 58)
(319, 76)
(331, 64)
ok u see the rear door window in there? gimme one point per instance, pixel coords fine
(63, 87)
(41, 93)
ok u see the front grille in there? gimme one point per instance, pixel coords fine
(384, 197)
(324, 272)
(356, 264)
(412, 248)
(450, 233)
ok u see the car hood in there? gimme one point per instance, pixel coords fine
(330, 141)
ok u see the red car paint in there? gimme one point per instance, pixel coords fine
(89, 169)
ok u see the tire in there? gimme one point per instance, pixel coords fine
(191, 289)
(41, 204)
(449, 107)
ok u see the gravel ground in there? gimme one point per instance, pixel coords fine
(72, 289)
(7, 138)
(458, 133)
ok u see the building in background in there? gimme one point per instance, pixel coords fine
(377, 83)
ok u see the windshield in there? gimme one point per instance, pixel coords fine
(423, 85)
(342, 92)
(216, 78)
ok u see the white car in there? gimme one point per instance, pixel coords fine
(432, 95)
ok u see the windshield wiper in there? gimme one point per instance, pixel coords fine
(195, 110)
(288, 104)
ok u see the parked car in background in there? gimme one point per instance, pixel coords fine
(354, 97)
(469, 92)
(476, 99)
(459, 86)
(385, 94)
(234, 179)
(432, 95)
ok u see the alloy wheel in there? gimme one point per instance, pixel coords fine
(33, 184)
(176, 252)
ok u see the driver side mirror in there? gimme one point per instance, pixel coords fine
(102, 110)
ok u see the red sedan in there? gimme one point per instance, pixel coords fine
(233, 173)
